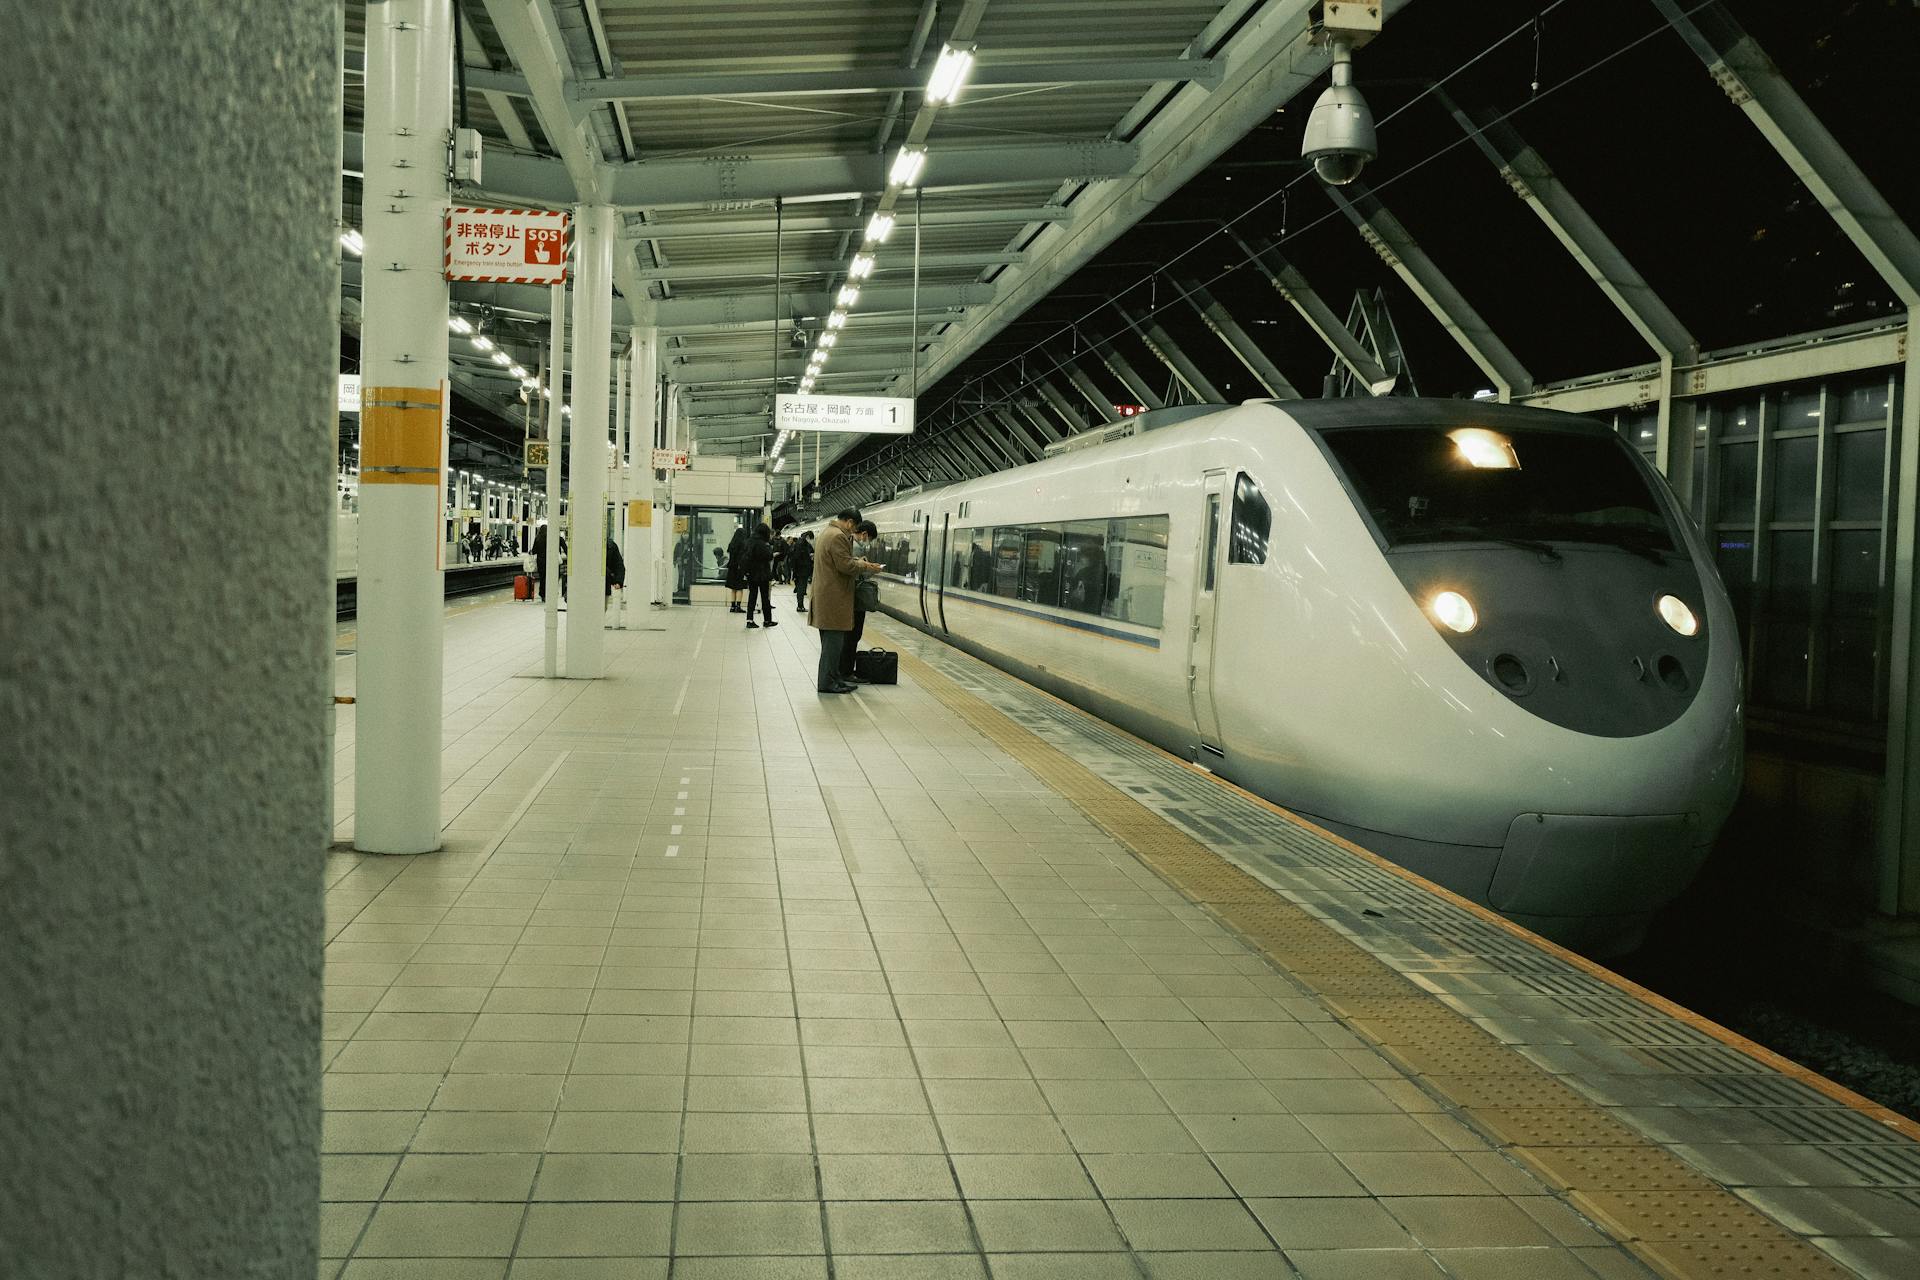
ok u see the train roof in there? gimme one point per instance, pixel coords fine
(1413, 411)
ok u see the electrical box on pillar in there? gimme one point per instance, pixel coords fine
(466, 155)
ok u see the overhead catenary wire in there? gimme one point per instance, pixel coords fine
(1111, 298)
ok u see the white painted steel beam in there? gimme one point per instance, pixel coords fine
(1321, 318)
(1400, 251)
(1102, 404)
(1122, 368)
(819, 266)
(1072, 418)
(1237, 340)
(1169, 353)
(799, 223)
(877, 80)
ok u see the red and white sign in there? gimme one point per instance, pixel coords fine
(669, 459)
(508, 246)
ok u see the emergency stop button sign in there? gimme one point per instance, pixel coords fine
(507, 246)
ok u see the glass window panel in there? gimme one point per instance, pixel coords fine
(1780, 678)
(1799, 407)
(1699, 503)
(1641, 427)
(1790, 573)
(1137, 569)
(1733, 556)
(1795, 482)
(1859, 457)
(1252, 522)
(1040, 577)
(1856, 573)
(1737, 418)
(1861, 401)
(1213, 537)
(980, 560)
(1851, 672)
(1736, 480)
(1009, 544)
(1083, 565)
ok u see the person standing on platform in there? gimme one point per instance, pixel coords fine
(800, 559)
(760, 558)
(866, 544)
(540, 556)
(834, 571)
(737, 567)
(616, 568)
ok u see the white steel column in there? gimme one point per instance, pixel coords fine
(587, 455)
(409, 91)
(641, 401)
(622, 374)
(556, 427)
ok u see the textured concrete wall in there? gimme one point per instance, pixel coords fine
(170, 338)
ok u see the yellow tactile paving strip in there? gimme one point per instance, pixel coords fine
(1677, 1221)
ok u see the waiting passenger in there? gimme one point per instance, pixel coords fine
(736, 563)
(834, 569)
(866, 545)
(760, 559)
(800, 560)
(540, 556)
(616, 569)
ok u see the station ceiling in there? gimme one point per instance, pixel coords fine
(1083, 177)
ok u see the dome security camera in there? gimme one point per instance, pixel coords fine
(1340, 138)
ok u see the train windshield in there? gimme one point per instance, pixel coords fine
(1447, 483)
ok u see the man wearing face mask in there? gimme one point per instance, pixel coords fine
(866, 545)
(835, 568)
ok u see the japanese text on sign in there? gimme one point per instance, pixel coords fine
(865, 415)
(513, 246)
(669, 459)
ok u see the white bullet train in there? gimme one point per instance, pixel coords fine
(1480, 640)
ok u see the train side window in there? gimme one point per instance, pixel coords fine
(1083, 566)
(980, 560)
(1252, 523)
(1009, 546)
(1040, 577)
(1136, 570)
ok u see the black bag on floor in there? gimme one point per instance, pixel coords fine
(877, 666)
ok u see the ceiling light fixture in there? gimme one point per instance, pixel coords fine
(459, 324)
(861, 267)
(949, 73)
(848, 296)
(907, 166)
(837, 320)
(482, 342)
(879, 227)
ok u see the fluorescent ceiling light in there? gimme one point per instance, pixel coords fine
(836, 320)
(828, 339)
(566, 411)
(907, 166)
(949, 73)
(861, 267)
(351, 241)
(518, 371)
(849, 296)
(482, 342)
(459, 324)
(502, 359)
(879, 227)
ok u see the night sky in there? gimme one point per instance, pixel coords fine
(1660, 157)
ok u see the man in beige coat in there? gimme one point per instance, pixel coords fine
(831, 610)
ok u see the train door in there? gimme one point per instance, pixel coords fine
(926, 566)
(946, 530)
(1206, 577)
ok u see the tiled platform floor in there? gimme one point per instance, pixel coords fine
(720, 978)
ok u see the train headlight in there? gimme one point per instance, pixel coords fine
(1674, 612)
(1454, 611)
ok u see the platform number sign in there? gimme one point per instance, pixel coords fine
(1129, 410)
(507, 246)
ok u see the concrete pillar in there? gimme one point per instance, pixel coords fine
(587, 454)
(168, 683)
(396, 772)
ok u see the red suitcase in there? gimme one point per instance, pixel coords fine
(522, 587)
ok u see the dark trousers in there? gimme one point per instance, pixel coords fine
(800, 584)
(853, 643)
(764, 594)
(832, 644)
